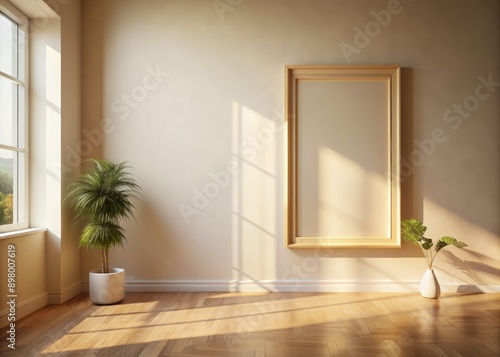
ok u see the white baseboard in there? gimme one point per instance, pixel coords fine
(290, 286)
(24, 308)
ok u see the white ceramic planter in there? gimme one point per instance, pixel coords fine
(105, 289)
(429, 285)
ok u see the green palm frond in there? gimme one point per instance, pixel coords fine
(444, 241)
(102, 197)
(413, 230)
(426, 243)
(103, 194)
(440, 245)
(102, 236)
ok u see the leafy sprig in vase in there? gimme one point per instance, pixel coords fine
(413, 230)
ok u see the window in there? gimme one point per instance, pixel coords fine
(13, 120)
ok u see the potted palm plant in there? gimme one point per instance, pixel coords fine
(413, 230)
(102, 198)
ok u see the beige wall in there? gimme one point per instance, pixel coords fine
(185, 91)
(55, 122)
(70, 13)
(28, 265)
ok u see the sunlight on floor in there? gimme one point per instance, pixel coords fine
(275, 312)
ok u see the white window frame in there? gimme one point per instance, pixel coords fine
(21, 202)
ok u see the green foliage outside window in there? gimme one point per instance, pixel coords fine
(6, 199)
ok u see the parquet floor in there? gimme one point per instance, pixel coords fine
(267, 324)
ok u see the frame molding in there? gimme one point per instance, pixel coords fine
(293, 75)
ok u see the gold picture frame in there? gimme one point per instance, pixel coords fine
(342, 156)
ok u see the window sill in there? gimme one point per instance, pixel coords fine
(21, 232)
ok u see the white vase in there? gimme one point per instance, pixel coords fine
(105, 289)
(429, 285)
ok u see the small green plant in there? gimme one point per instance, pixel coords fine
(413, 230)
(102, 197)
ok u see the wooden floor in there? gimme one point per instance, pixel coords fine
(270, 324)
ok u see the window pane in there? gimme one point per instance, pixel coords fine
(8, 112)
(19, 129)
(7, 209)
(21, 58)
(13, 96)
(8, 46)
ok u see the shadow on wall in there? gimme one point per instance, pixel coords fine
(411, 195)
(481, 273)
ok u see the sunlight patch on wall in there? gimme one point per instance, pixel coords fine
(351, 201)
(53, 112)
(53, 76)
(53, 136)
(254, 202)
